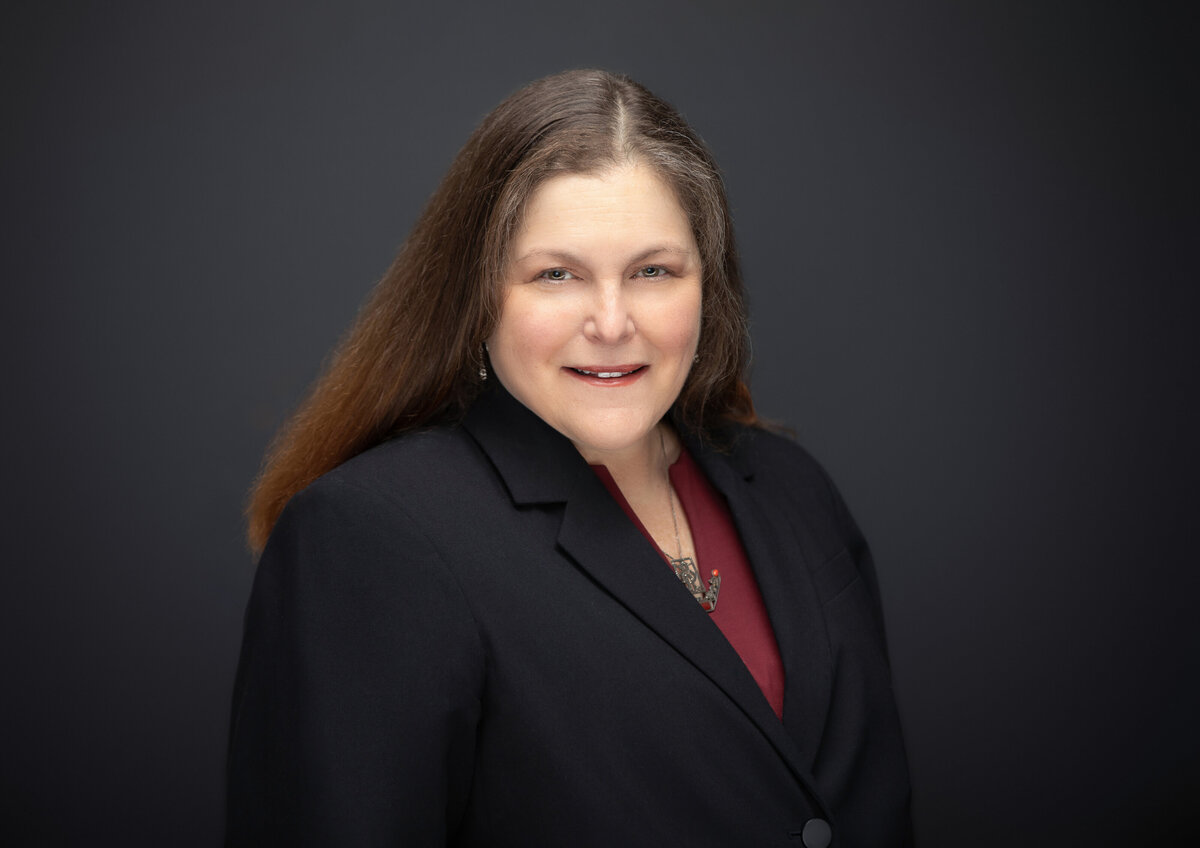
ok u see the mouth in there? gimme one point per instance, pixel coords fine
(609, 373)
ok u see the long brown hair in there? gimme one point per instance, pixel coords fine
(412, 357)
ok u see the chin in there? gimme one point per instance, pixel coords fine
(613, 439)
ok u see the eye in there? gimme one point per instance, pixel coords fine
(652, 271)
(556, 275)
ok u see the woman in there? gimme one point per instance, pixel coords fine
(535, 576)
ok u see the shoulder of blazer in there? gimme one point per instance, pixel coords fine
(782, 471)
(408, 460)
(774, 463)
(411, 489)
(762, 451)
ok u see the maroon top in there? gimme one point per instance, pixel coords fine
(740, 613)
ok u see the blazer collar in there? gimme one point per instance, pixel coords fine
(537, 463)
(540, 465)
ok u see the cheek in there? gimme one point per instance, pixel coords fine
(528, 335)
(681, 332)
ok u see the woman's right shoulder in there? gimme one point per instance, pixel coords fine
(408, 462)
(406, 479)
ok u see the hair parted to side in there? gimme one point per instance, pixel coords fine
(411, 359)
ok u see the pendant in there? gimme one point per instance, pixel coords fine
(685, 569)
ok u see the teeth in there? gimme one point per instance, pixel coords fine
(604, 374)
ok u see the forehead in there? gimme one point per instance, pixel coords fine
(614, 209)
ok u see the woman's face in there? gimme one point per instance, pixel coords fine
(601, 313)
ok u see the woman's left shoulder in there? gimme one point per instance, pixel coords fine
(781, 468)
(775, 453)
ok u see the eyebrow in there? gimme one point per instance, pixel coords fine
(568, 258)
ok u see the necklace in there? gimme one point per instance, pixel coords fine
(685, 567)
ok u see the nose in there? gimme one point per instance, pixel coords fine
(609, 320)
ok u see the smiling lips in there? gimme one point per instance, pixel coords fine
(608, 375)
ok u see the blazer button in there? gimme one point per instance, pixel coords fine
(816, 834)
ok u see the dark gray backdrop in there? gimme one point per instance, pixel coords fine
(967, 230)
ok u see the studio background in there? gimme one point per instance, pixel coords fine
(968, 232)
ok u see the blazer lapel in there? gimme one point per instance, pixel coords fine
(539, 465)
(599, 536)
(768, 535)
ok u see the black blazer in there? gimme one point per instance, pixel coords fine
(459, 638)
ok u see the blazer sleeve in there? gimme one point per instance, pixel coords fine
(359, 684)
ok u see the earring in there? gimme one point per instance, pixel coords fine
(483, 362)
(696, 359)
